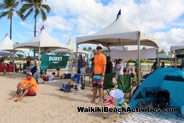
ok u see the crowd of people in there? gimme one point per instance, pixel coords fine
(99, 67)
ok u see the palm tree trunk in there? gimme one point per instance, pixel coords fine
(34, 36)
(10, 27)
(35, 28)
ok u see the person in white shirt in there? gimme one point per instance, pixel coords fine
(51, 76)
(119, 68)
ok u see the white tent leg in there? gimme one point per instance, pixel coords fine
(139, 61)
(13, 58)
(171, 56)
(158, 62)
(77, 58)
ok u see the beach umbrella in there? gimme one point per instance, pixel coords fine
(117, 93)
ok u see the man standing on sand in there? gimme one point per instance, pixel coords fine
(99, 72)
(28, 87)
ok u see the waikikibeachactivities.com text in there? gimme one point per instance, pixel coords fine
(128, 109)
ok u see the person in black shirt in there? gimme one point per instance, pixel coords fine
(109, 65)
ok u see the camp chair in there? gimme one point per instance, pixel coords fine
(76, 78)
(124, 84)
(108, 84)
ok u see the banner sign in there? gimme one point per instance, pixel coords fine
(53, 61)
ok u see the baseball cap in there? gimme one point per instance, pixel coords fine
(99, 46)
(29, 74)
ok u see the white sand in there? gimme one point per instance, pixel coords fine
(49, 106)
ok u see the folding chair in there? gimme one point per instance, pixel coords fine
(124, 84)
(76, 78)
(108, 84)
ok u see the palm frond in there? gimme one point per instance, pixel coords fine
(3, 14)
(27, 1)
(20, 15)
(30, 11)
(3, 6)
(36, 13)
(26, 7)
(46, 7)
(44, 16)
(16, 4)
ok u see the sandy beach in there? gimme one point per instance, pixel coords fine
(49, 106)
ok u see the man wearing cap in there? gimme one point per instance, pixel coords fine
(99, 72)
(28, 87)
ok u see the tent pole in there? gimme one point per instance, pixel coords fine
(14, 61)
(171, 56)
(109, 50)
(175, 59)
(139, 61)
(158, 62)
(38, 68)
(77, 58)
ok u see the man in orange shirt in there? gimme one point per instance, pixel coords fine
(99, 72)
(28, 87)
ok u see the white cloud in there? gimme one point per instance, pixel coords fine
(88, 16)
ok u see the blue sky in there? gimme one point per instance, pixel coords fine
(161, 19)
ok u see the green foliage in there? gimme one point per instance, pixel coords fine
(7, 9)
(162, 51)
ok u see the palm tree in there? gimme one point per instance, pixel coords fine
(84, 48)
(36, 6)
(9, 8)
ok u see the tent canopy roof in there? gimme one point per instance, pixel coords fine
(5, 53)
(42, 40)
(7, 45)
(72, 49)
(179, 46)
(117, 33)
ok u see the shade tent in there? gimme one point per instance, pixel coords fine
(169, 79)
(72, 49)
(116, 34)
(7, 44)
(179, 46)
(43, 41)
(5, 53)
(132, 54)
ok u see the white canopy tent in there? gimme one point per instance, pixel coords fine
(71, 50)
(132, 54)
(43, 41)
(7, 45)
(179, 46)
(116, 34)
(5, 53)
